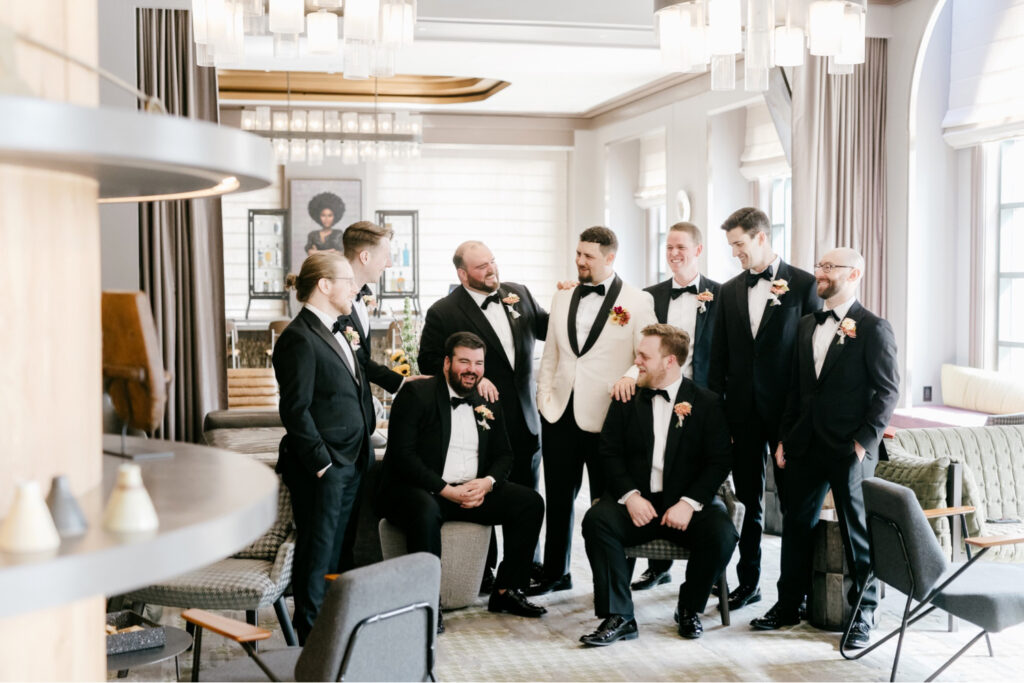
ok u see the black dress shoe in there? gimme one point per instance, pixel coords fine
(744, 595)
(801, 611)
(775, 618)
(689, 624)
(562, 583)
(860, 634)
(440, 623)
(611, 629)
(536, 572)
(650, 579)
(514, 601)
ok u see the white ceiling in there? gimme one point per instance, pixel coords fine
(561, 57)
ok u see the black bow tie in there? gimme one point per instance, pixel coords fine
(765, 274)
(649, 394)
(492, 299)
(340, 326)
(364, 291)
(821, 316)
(591, 289)
(459, 400)
(677, 291)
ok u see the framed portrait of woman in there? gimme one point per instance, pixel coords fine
(319, 211)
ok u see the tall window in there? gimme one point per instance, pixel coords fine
(656, 225)
(1010, 307)
(780, 213)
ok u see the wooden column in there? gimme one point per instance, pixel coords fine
(50, 409)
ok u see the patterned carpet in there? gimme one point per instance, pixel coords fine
(480, 646)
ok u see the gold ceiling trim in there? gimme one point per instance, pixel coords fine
(308, 86)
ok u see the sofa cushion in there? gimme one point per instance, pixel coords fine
(982, 390)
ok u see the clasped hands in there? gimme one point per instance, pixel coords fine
(470, 494)
(642, 513)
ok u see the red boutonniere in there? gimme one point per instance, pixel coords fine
(619, 316)
(485, 414)
(511, 300)
(703, 299)
(682, 411)
(847, 328)
(779, 287)
(352, 336)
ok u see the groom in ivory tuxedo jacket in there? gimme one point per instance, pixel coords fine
(593, 332)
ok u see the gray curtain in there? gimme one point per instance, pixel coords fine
(839, 165)
(181, 249)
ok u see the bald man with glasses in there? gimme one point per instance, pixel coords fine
(844, 390)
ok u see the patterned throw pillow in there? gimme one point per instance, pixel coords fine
(265, 547)
(926, 478)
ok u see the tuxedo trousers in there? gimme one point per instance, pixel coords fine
(518, 510)
(321, 507)
(566, 449)
(753, 448)
(608, 530)
(809, 478)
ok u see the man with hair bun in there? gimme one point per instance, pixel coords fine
(327, 413)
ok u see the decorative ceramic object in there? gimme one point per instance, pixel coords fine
(67, 515)
(28, 527)
(130, 508)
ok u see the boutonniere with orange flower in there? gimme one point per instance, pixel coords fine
(847, 328)
(703, 299)
(779, 287)
(370, 301)
(682, 411)
(511, 300)
(485, 414)
(352, 336)
(619, 316)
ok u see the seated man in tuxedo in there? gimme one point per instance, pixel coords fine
(665, 452)
(448, 458)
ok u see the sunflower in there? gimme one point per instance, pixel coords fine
(398, 356)
(404, 370)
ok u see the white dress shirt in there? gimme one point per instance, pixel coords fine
(825, 333)
(496, 316)
(586, 312)
(362, 315)
(682, 313)
(346, 348)
(462, 462)
(663, 412)
(758, 295)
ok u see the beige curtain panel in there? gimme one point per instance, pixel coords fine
(181, 245)
(839, 166)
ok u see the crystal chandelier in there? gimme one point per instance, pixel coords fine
(374, 31)
(694, 35)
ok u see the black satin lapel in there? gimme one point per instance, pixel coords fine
(332, 341)
(483, 433)
(805, 341)
(675, 430)
(742, 304)
(662, 301)
(514, 323)
(769, 310)
(698, 328)
(483, 325)
(645, 416)
(835, 349)
(574, 305)
(782, 273)
(602, 315)
(444, 412)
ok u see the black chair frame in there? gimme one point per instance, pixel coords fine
(910, 616)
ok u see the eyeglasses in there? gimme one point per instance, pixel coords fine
(827, 268)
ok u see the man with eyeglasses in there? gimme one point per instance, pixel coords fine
(751, 369)
(846, 386)
(328, 417)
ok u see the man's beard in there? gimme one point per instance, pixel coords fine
(483, 286)
(831, 289)
(585, 278)
(455, 382)
(650, 378)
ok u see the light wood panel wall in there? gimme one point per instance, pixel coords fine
(50, 321)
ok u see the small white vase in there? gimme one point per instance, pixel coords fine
(130, 508)
(28, 527)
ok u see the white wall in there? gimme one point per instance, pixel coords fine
(622, 168)
(728, 190)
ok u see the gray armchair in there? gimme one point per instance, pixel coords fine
(906, 555)
(377, 623)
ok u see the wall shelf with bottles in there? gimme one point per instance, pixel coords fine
(268, 256)
(402, 279)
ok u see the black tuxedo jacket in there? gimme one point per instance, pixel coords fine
(458, 312)
(854, 396)
(326, 410)
(381, 375)
(754, 372)
(698, 456)
(419, 429)
(705, 327)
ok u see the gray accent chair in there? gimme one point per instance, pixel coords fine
(463, 557)
(662, 549)
(377, 623)
(906, 555)
(255, 577)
